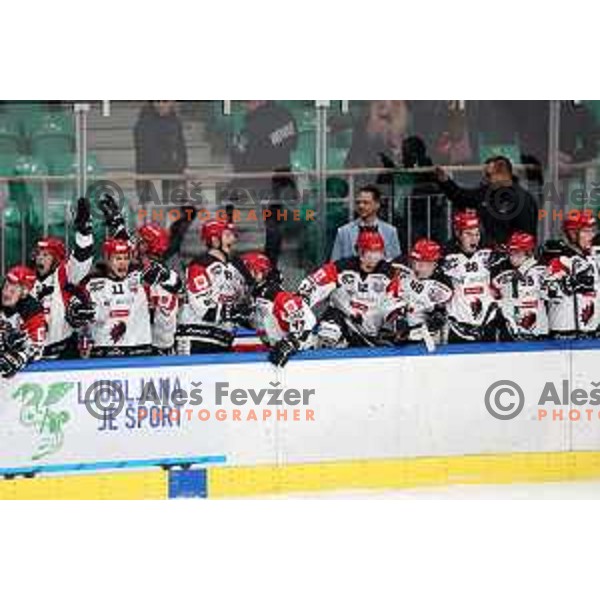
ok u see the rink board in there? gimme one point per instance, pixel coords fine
(383, 418)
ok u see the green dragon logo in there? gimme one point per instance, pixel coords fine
(37, 412)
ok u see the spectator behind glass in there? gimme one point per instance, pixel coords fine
(503, 205)
(378, 136)
(367, 205)
(267, 140)
(159, 148)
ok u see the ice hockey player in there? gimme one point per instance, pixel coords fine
(282, 319)
(57, 278)
(22, 323)
(163, 285)
(521, 287)
(472, 310)
(117, 291)
(574, 280)
(425, 290)
(359, 304)
(216, 293)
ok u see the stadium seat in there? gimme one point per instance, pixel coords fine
(53, 140)
(24, 116)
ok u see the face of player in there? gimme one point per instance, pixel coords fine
(469, 239)
(118, 265)
(227, 241)
(586, 237)
(517, 258)
(44, 261)
(370, 259)
(11, 294)
(366, 206)
(423, 268)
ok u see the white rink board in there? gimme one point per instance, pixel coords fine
(364, 408)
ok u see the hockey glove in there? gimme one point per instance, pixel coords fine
(282, 351)
(155, 273)
(83, 217)
(80, 313)
(113, 218)
(11, 362)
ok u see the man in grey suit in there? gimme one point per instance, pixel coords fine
(366, 205)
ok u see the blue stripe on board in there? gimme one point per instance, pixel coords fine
(147, 362)
(115, 464)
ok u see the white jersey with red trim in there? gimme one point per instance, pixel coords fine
(213, 290)
(275, 319)
(164, 307)
(574, 291)
(122, 319)
(421, 296)
(55, 291)
(354, 292)
(522, 293)
(472, 299)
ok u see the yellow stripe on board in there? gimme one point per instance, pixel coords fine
(141, 485)
(403, 473)
(318, 477)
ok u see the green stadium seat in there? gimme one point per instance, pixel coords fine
(25, 116)
(53, 140)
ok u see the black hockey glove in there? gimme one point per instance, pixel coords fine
(583, 282)
(83, 216)
(282, 351)
(113, 218)
(155, 273)
(11, 362)
(80, 313)
(436, 320)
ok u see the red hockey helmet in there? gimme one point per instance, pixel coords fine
(467, 219)
(579, 219)
(155, 237)
(23, 276)
(370, 241)
(426, 250)
(257, 262)
(54, 246)
(522, 241)
(113, 246)
(215, 228)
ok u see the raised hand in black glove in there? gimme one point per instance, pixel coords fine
(11, 362)
(80, 313)
(83, 216)
(113, 218)
(280, 353)
(155, 273)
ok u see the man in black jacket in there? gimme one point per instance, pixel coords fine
(504, 206)
(160, 148)
(265, 145)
